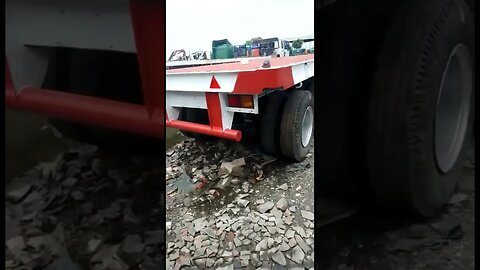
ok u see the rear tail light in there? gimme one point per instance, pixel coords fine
(240, 101)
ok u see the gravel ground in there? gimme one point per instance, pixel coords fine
(88, 209)
(252, 213)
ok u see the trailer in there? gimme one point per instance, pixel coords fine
(206, 99)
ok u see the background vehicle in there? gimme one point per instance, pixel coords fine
(394, 88)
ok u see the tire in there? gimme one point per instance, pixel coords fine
(404, 149)
(299, 107)
(269, 124)
(198, 116)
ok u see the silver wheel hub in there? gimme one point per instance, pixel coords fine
(453, 108)
(307, 126)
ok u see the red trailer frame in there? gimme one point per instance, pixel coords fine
(148, 21)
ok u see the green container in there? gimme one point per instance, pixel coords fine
(224, 51)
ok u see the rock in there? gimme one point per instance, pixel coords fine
(234, 168)
(283, 187)
(265, 207)
(260, 201)
(270, 242)
(93, 245)
(242, 202)
(17, 195)
(302, 244)
(289, 234)
(292, 209)
(284, 247)
(262, 245)
(307, 215)
(228, 267)
(16, 244)
(201, 263)
(292, 242)
(264, 256)
(106, 252)
(297, 255)
(78, 195)
(218, 262)
(279, 258)
(133, 244)
(282, 204)
(276, 213)
(209, 262)
(458, 198)
(154, 237)
(223, 183)
(210, 232)
(69, 182)
(87, 208)
(187, 218)
(237, 242)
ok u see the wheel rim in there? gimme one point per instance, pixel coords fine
(453, 108)
(307, 126)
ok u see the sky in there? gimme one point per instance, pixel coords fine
(193, 24)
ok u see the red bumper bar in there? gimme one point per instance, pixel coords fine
(123, 116)
(230, 134)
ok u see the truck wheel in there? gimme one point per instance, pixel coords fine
(198, 116)
(270, 119)
(296, 129)
(420, 106)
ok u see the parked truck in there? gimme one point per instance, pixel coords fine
(394, 87)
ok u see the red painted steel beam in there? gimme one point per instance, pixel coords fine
(229, 134)
(124, 116)
(148, 21)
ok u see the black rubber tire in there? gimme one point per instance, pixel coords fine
(198, 116)
(291, 125)
(405, 89)
(269, 124)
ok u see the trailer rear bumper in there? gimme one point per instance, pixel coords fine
(117, 115)
(229, 134)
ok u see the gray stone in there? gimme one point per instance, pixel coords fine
(302, 244)
(271, 230)
(218, 262)
(242, 203)
(237, 242)
(93, 245)
(264, 256)
(17, 195)
(282, 204)
(78, 195)
(297, 255)
(265, 207)
(276, 213)
(154, 237)
(289, 234)
(283, 187)
(200, 263)
(260, 201)
(279, 258)
(292, 209)
(292, 242)
(16, 244)
(308, 215)
(133, 244)
(209, 231)
(284, 247)
(262, 245)
(270, 242)
(209, 262)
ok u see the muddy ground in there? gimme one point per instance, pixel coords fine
(80, 208)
